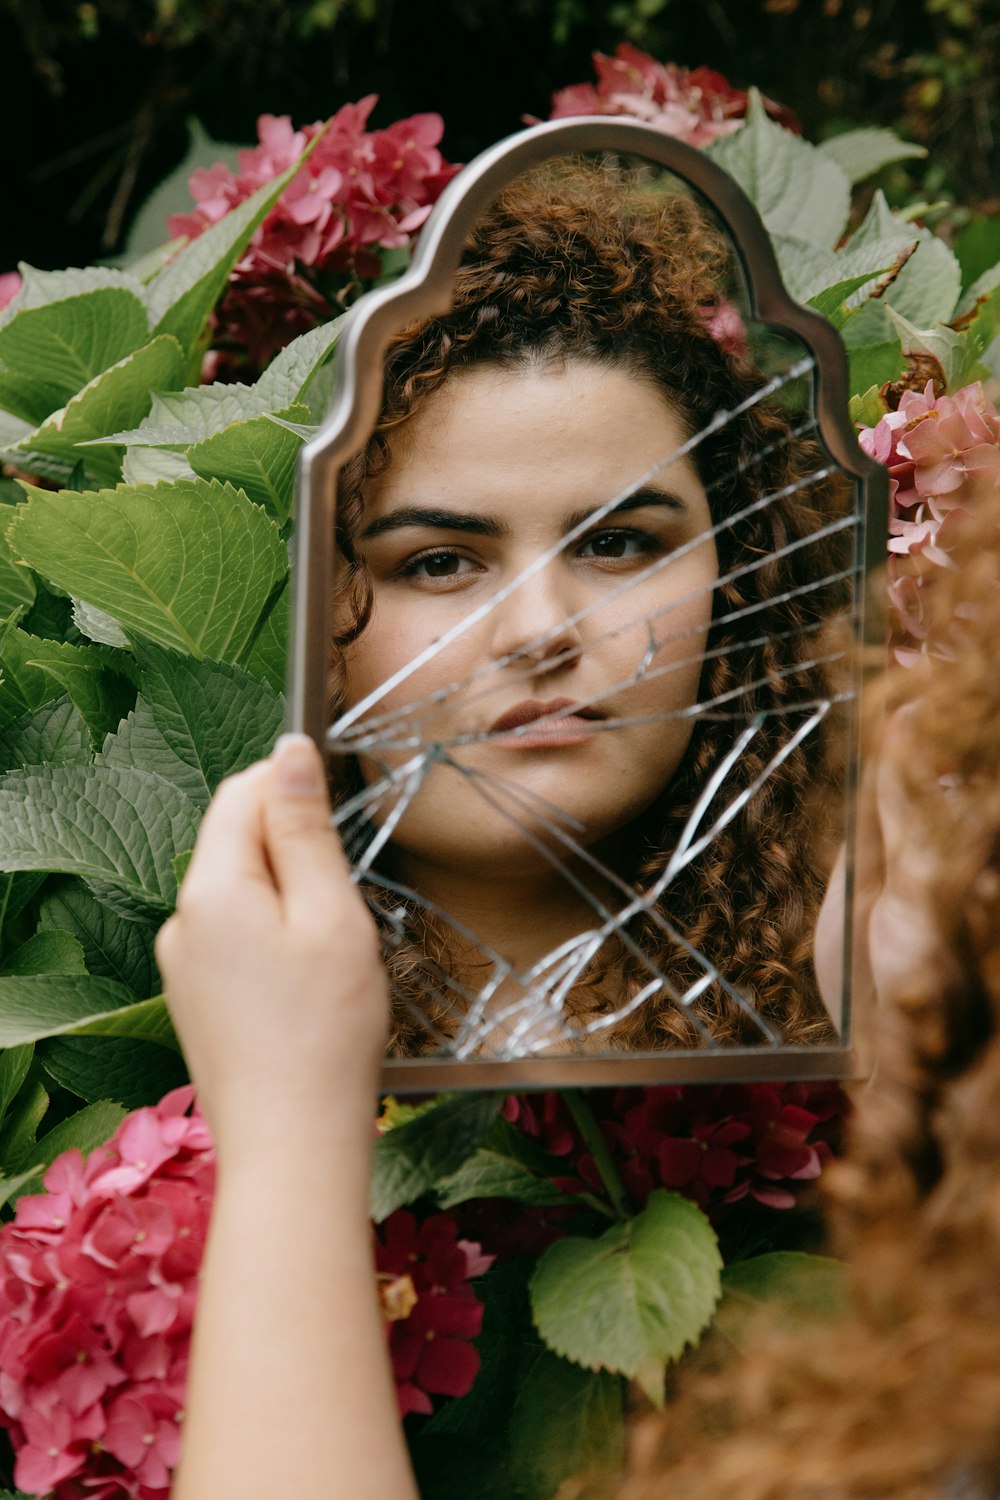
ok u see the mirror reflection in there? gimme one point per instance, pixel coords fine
(593, 567)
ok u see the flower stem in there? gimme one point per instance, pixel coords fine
(593, 1138)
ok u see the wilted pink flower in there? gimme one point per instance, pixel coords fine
(361, 192)
(943, 457)
(696, 105)
(10, 285)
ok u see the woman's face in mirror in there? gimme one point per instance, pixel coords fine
(490, 475)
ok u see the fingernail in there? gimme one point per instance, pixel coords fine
(299, 769)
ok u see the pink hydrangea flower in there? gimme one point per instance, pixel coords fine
(10, 285)
(943, 457)
(361, 192)
(98, 1290)
(696, 105)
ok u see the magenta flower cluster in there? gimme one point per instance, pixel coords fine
(98, 1287)
(360, 192)
(943, 457)
(696, 105)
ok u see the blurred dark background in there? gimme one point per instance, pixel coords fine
(96, 97)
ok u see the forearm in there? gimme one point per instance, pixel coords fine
(290, 1391)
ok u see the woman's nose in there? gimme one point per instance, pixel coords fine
(535, 622)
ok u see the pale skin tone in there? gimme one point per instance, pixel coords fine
(487, 479)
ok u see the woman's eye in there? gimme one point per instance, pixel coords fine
(442, 564)
(617, 543)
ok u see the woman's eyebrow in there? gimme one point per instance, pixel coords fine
(436, 520)
(638, 500)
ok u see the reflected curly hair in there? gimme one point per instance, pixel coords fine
(583, 262)
(901, 1397)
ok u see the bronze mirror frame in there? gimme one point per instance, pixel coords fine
(424, 290)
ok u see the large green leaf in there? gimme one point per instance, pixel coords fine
(17, 586)
(410, 1158)
(36, 671)
(112, 946)
(130, 552)
(79, 1004)
(802, 1288)
(631, 1300)
(861, 153)
(138, 742)
(181, 297)
(50, 352)
(132, 1073)
(798, 191)
(268, 655)
(51, 952)
(257, 457)
(925, 292)
(566, 1423)
(118, 397)
(103, 822)
(55, 734)
(214, 718)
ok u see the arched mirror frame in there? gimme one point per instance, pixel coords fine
(424, 291)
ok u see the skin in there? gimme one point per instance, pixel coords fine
(495, 470)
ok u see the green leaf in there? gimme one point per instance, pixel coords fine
(17, 586)
(138, 743)
(52, 952)
(507, 1344)
(868, 409)
(181, 297)
(14, 1065)
(874, 364)
(15, 893)
(810, 270)
(215, 718)
(132, 1073)
(48, 353)
(506, 1165)
(68, 819)
(17, 1139)
(566, 1423)
(77, 1004)
(55, 734)
(879, 223)
(118, 397)
(129, 552)
(36, 671)
(257, 457)
(798, 191)
(631, 1300)
(290, 373)
(861, 153)
(173, 195)
(411, 1158)
(87, 1129)
(268, 656)
(982, 287)
(152, 465)
(978, 248)
(807, 1289)
(956, 353)
(924, 292)
(98, 626)
(112, 946)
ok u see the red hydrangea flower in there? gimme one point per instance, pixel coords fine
(361, 192)
(696, 105)
(943, 457)
(98, 1287)
(430, 1348)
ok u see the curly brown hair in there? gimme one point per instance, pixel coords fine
(901, 1397)
(584, 263)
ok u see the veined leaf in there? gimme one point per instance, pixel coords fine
(257, 457)
(410, 1158)
(287, 377)
(631, 1300)
(956, 353)
(55, 734)
(35, 671)
(17, 587)
(118, 397)
(138, 743)
(924, 293)
(861, 153)
(151, 465)
(566, 1423)
(112, 947)
(798, 191)
(68, 820)
(129, 552)
(40, 288)
(132, 1073)
(268, 656)
(52, 952)
(810, 271)
(181, 297)
(98, 626)
(79, 1005)
(506, 1165)
(48, 353)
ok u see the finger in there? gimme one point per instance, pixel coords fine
(230, 843)
(302, 847)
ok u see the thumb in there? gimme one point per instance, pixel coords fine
(303, 850)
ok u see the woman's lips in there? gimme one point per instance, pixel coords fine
(556, 730)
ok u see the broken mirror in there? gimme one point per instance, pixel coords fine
(581, 560)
